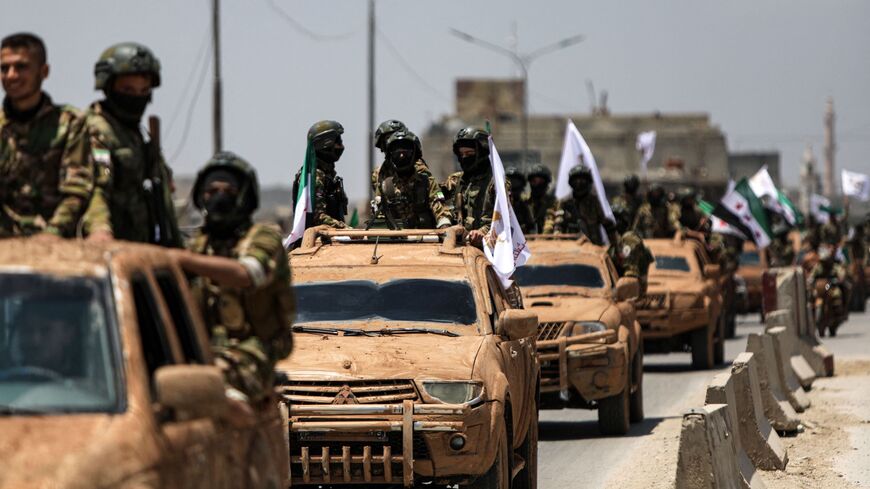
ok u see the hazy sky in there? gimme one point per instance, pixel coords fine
(762, 68)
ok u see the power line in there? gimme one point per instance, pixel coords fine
(299, 27)
(410, 69)
(190, 108)
(201, 56)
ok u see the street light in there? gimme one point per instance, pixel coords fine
(523, 61)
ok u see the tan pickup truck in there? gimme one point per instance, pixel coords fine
(589, 342)
(106, 377)
(682, 306)
(412, 366)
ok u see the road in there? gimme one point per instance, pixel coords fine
(573, 454)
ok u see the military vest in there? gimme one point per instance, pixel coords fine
(406, 199)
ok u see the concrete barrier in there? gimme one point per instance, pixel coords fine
(791, 385)
(802, 370)
(757, 437)
(791, 295)
(777, 407)
(721, 391)
(707, 454)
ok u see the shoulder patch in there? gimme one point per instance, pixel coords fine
(102, 156)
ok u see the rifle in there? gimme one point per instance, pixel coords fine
(162, 224)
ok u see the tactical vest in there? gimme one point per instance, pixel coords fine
(420, 215)
(334, 194)
(238, 314)
(475, 220)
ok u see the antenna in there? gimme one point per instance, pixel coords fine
(375, 257)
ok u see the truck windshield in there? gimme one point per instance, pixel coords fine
(672, 263)
(576, 275)
(418, 300)
(57, 354)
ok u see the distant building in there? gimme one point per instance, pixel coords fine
(746, 164)
(689, 149)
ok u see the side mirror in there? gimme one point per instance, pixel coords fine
(627, 288)
(192, 391)
(711, 271)
(517, 323)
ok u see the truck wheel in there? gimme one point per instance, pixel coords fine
(635, 402)
(702, 349)
(498, 476)
(528, 477)
(613, 412)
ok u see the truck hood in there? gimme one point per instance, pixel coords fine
(408, 356)
(568, 308)
(66, 451)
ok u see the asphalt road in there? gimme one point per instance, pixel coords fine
(572, 453)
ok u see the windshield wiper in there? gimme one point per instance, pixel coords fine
(334, 331)
(552, 294)
(391, 331)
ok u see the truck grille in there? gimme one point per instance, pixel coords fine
(652, 301)
(549, 374)
(349, 391)
(551, 330)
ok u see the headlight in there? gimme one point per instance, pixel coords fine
(454, 392)
(586, 327)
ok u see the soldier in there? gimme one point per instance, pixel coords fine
(580, 213)
(856, 256)
(831, 233)
(780, 252)
(406, 194)
(654, 219)
(630, 199)
(629, 254)
(133, 195)
(243, 284)
(471, 190)
(834, 293)
(524, 215)
(540, 199)
(330, 200)
(384, 131)
(685, 210)
(46, 180)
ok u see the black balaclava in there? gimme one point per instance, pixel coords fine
(402, 155)
(127, 108)
(473, 164)
(330, 153)
(581, 186)
(224, 212)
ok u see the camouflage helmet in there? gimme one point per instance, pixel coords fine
(580, 171)
(249, 191)
(403, 135)
(473, 134)
(513, 173)
(385, 129)
(126, 58)
(323, 134)
(540, 170)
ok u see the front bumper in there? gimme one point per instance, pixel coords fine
(666, 323)
(593, 364)
(388, 443)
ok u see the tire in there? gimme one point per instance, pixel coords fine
(613, 412)
(702, 350)
(528, 477)
(499, 474)
(635, 402)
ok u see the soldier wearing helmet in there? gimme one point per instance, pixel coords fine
(405, 193)
(330, 200)
(46, 179)
(631, 198)
(581, 212)
(685, 211)
(517, 181)
(654, 219)
(384, 131)
(472, 191)
(243, 276)
(540, 199)
(629, 254)
(132, 199)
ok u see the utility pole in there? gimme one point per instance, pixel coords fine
(523, 62)
(371, 104)
(217, 101)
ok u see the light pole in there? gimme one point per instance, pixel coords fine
(217, 95)
(523, 62)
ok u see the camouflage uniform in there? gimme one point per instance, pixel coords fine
(539, 208)
(582, 215)
(122, 159)
(517, 180)
(473, 199)
(251, 327)
(330, 200)
(831, 233)
(657, 221)
(780, 252)
(45, 177)
(417, 201)
(631, 257)
(632, 204)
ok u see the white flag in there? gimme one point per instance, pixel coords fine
(646, 144)
(576, 152)
(762, 186)
(856, 185)
(820, 207)
(505, 247)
